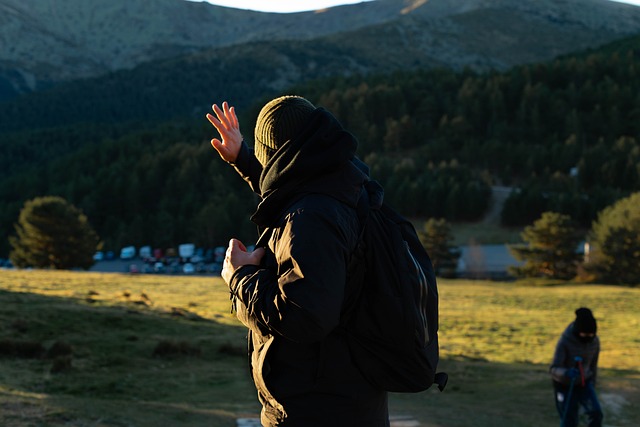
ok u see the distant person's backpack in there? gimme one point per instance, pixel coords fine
(390, 315)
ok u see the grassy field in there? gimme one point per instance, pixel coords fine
(89, 349)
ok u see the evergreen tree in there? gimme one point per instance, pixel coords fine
(615, 243)
(551, 250)
(437, 239)
(52, 233)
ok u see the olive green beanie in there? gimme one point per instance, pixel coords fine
(279, 121)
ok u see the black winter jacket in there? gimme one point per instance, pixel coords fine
(292, 302)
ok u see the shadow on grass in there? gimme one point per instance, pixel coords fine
(131, 365)
(489, 394)
(67, 360)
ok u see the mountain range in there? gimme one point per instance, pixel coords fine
(103, 102)
(46, 43)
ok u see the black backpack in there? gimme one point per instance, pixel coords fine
(390, 315)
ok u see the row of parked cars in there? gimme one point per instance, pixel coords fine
(185, 253)
(174, 268)
(186, 259)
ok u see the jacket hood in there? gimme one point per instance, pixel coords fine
(319, 160)
(569, 335)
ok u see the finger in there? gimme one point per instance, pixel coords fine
(257, 255)
(227, 271)
(241, 245)
(221, 117)
(212, 118)
(222, 130)
(230, 115)
(234, 118)
(215, 122)
(215, 109)
(227, 113)
(218, 145)
(237, 244)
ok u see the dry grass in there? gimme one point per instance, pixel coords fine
(496, 339)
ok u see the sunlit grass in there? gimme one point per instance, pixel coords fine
(497, 340)
(504, 322)
(205, 296)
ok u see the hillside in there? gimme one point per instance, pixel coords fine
(131, 149)
(53, 42)
(565, 133)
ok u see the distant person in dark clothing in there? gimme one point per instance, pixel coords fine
(289, 291)
(574, 371)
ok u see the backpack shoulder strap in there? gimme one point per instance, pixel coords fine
(356, 265)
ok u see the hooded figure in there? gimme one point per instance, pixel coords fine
(290, 298)
(574, 370)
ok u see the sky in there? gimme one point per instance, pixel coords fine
(286, 6)
(282, 5)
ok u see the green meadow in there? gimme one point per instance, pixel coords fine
(91, 349)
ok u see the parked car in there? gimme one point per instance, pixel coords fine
(98, 256)
(201, 267)
(196, 259)
(158, 267)
(208, 256)
(128, 252)
(145, 252)
(171, 253)
(188, 268)
(215, 268)
(219, 253)
(186, 251)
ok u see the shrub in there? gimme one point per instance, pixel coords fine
(551, 249)
(615, 243)
(51, 233)
(436, 237)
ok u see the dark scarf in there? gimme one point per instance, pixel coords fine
(317, 161)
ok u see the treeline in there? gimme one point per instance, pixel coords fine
(565, 134)
(167, 186)
(158, 187)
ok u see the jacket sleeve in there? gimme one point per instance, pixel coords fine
(248, 167)
(302, 300)
(594, 363)
(558, 368)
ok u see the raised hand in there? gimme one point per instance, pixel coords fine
(226, 122)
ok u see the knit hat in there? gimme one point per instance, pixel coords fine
(279, 121)
(585, 321)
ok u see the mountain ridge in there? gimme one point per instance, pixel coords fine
(52, 42)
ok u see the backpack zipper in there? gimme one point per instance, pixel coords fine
(422, 281)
